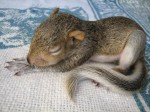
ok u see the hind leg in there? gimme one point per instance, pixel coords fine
(133, 50)
(97, 84)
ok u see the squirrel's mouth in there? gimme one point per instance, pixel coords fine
(38, 61)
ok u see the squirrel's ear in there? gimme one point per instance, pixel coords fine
(77, 34)
(55, 11)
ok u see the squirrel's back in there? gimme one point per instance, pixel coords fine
(114, 33)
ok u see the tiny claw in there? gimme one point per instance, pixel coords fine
(7, 67)
(18, 59)
(9, 62)
(17, 74)
(15, 59)
(10, 68)
(97, 84)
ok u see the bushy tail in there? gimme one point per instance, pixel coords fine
(104, 74)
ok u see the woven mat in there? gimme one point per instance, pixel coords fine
(44, 92)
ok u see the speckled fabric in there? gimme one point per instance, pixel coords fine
(45, 92)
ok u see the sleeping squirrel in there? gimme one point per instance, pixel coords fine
(109, 51)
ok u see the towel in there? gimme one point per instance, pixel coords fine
(45, 92)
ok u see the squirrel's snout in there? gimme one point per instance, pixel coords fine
(31, 61)
(41, 60)
(37, 61)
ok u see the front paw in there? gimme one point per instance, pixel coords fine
(18, 65)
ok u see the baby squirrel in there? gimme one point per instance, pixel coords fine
(64, 42)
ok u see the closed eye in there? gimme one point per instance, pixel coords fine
(55, 51)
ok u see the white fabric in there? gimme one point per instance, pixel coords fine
(44, 92)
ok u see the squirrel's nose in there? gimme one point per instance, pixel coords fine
(37, 61)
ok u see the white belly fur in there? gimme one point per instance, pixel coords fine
(105, 58)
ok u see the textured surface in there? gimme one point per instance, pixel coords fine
(44, 92)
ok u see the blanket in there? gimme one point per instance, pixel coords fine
(44, 92)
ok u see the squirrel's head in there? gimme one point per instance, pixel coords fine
(54, 38)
